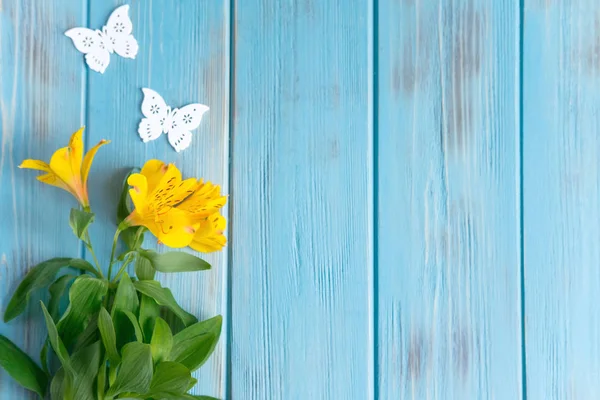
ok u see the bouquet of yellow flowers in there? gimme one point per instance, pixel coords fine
(121, 336)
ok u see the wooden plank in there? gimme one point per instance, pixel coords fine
(184, 56)
(301, 192)
(40, 106)
(448, 222)
(561, 149)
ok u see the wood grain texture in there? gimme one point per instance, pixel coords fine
(449, 261)
(301, 194)
(184, 56)
(561, 149)
(40, 106)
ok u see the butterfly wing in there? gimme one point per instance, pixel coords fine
(183, 121)
(156, 111)
(91, 44)
(118, 29)
(180, 139)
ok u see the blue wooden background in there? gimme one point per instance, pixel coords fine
(414, 195)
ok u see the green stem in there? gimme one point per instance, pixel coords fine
(88, 245)
(112, 252)
(130, 258)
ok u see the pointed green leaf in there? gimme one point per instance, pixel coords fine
(57, 289)
(136, 326)
(44, 356)
(89, 335)
(170, 377)
(200, 339)
(38, 277)
(101, 385)
(109, 338)
(80, 221)
(149, 311)
(212, 325)
(195, 351)
(81, 385)
(61, 387)
(162, 341)
(174, 261)
(164, 297)
(84, 266)
(56, 342)
(143, 269)
(22, 368)
(192, 383)
(135, 373)
(126, 297)
(85, 299)
(123, 208)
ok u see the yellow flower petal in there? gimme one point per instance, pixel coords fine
(51, 179)
(87, 161)
(35, 164)
(153, 170)
(174, 228)
(76, 150)
(209, 235)
(139, 192)
(171, 190)
(205, 201)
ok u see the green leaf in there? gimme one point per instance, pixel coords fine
(89, 335)
(85, 299)
(149, 311)
(164, 297)
(101, 385)
(56, 342)
(44, 357)
(170, 377)
(162, 341)
(57, 289)
(38, 277)
(136, 327)
(80, 221)
(61, 387)
(195, 351)
(123, 209)
(135, 373)
(81, 385)
(194, 345)
(174, 261)
(84, 266)
(126, 299)
(212, 325)
(22, 368)
(192, 383)
(143, 269)
(132, 237)
(109, 338)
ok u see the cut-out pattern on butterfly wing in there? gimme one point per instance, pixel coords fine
(177, 123)
(115, 37)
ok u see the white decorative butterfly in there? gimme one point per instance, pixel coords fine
(176, 123)
(114, 37)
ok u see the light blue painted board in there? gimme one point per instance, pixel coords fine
(561, 149)
(184, 56)
(40, 106)
(301, 259)
(448, 223)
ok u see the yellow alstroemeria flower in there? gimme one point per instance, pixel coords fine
(204, 205)
(68, 168)
(156, 190)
